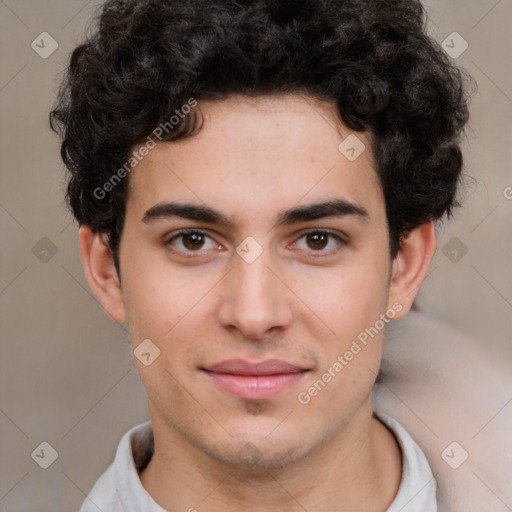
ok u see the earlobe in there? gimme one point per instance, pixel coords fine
(410, 266)
(101, 273)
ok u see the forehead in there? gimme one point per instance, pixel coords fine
(253, 154)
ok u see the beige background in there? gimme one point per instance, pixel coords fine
(67, 375)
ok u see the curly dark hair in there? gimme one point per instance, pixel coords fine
(145, 59)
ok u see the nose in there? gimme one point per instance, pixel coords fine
(255, 299)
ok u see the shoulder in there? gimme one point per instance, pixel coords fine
(119, 488)
(417, 490)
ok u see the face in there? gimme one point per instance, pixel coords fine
(271, 277)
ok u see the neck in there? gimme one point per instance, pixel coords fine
(358, 469)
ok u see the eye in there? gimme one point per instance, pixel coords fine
(318, 241)
(191, 240)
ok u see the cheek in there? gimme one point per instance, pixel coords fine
(172, 309)
(168, 320)
(157, 297)
(350, 302)
(350, 297)
(164, 311)
(351, 306)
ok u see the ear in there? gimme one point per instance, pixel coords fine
(410, 266)
(101, 273)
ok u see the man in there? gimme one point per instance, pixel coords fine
(256, 185)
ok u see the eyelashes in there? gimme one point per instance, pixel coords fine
(323, 235)
(192, 234)
(193, 242)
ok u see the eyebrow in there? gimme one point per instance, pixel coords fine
(202, 213)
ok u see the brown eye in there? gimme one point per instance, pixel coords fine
(317, 241)
(324, 243)
(191, 241)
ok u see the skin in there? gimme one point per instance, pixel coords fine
(252, 159)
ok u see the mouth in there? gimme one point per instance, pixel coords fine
(255, 380)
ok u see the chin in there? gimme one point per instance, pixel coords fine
(258, 459)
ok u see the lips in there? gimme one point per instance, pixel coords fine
(255, 380)
(242, 367)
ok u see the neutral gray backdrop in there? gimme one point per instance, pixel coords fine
(67, 373)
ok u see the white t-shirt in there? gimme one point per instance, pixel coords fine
(119, 489)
